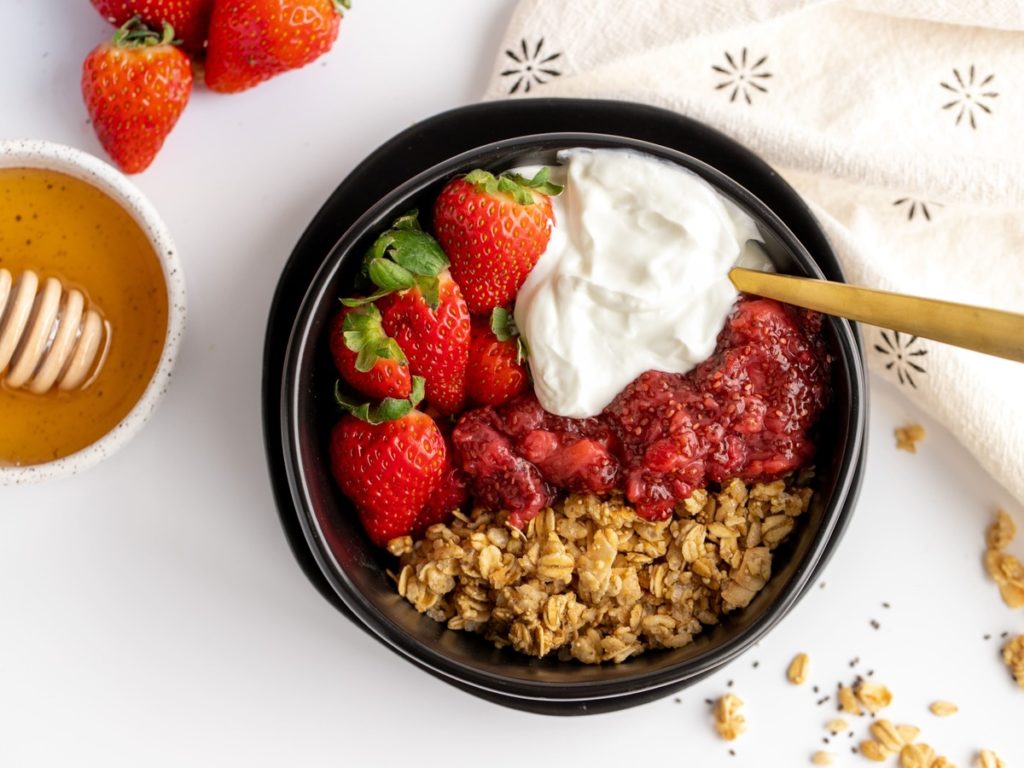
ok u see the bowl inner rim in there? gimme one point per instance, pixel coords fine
(395, 636)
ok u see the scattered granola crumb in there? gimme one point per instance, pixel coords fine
(874, 696)
(989, 759)
(822, 758)
(836, 725)
(1001, 532)
(887, 735)
(797, 672)
(908, 733)
(1005, 569)
(872, 750)
(728, 721)
(848, 701)
(1013, 655)
(917, 756)
(908, 437)
(943, 708)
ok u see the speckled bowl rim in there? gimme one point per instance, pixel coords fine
(85, 167)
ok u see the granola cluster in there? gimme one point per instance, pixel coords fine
(591, 580)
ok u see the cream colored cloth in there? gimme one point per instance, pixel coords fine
(902, 123)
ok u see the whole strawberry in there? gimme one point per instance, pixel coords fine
(422, 309)
(389, 469)
(189, 18)
(497, 369)
(366, 357)
(253, 40)
(494, 229)
(135, 88)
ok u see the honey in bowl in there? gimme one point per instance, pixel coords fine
(61, 227)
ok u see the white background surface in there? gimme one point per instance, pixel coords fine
(151, 612)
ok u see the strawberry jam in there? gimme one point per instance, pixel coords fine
(517, 455)
(745, 412)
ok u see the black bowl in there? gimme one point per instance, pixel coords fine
(355, 569)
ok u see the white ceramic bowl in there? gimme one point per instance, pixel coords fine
(80, 165)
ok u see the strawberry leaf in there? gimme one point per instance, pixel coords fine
(503, 324)
(363, 300)
(389, 276)
(365, 336)
(135, 34)
(519, 192)
(388, 409)
(419, 388)
(483, 180)
(430, 288)
(519, 188)
(417, 252)
(410, 220)
(522, 349)
(541, 182)
(403, 257)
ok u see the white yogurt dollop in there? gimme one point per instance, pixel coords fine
(634, 278)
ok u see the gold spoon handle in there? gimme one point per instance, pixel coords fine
(991, 331)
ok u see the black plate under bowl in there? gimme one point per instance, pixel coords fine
(330, 547)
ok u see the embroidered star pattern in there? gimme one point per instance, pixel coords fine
(741, 76)
(971, 96)
(915, 207)
(530, 65)
(904, 354)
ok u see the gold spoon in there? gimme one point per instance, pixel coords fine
(991, 331)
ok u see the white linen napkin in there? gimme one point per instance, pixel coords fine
(900, 121)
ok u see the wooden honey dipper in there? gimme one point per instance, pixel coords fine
(48, 337)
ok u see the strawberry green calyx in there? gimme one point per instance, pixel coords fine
(388, 409)
(340, 6)
(404, 257)
(519, 188)
(134, 34)
(503, 326)
(365, 336)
